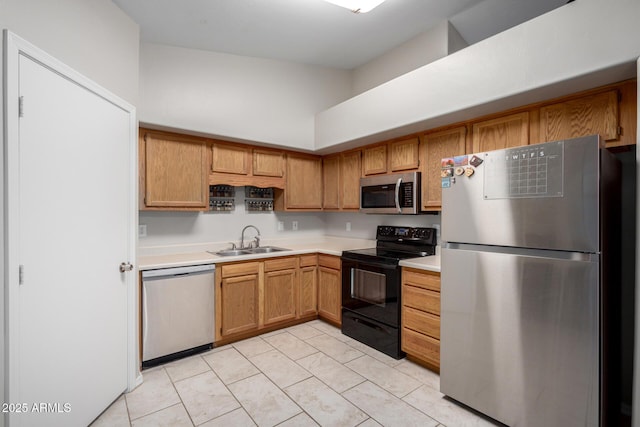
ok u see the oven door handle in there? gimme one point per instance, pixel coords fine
(362, 265)
(398, 195)
(369, 324)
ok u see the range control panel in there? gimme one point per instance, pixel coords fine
(393, 233)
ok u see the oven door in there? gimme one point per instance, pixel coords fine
(372, 289)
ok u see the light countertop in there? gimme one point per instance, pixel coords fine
(179, 256)
(431, 263)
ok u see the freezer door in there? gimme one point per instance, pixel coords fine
(537, 196)
(519, 335)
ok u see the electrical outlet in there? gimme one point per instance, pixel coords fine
(294, 225)
(142, 230)
(280, 225)
(348, 226)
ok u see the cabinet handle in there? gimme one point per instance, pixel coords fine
(125, 266)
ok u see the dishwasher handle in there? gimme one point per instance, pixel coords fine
(178, 271)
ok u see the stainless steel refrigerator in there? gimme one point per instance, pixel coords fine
(529, 283)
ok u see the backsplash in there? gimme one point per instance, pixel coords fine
(186, 228)
(363, 226)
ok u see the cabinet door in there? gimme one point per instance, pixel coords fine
(308, 291)
(175, 172)
(589, 115)
(500, 133)
(331, 182)
(230, 159)
(268, 163)
(436, 146)
(374, 160)
(404, 155)
(239, 304)
(279, 296)
(329, 294)
(303, 183)
(350, 180)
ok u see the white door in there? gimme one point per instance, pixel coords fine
(68, 329)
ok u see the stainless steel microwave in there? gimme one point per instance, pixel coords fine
(390, 194)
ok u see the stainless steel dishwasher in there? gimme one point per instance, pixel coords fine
(177, 312)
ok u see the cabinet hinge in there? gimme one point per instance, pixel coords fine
(21, 106)
(21, 274)
(619, 130)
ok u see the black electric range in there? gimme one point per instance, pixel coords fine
(371, 277)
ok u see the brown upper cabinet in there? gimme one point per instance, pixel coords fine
(404, 154)
(239, 165)
(374, 160)
(303, 183)
(588, 115)
(350, 169)
(173, 172)
(227, 158)
(331, 182)
(268, 163)
(341, 181)
(502, 132)
(435, 147)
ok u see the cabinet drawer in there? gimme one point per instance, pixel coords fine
(421, 346)
(241, 269)
(421, 321)
(421, 299)
(308, 260)
(329, 261)
(280, 264)
(421, 279)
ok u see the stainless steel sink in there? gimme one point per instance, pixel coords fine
(248, 251)
(231, 252)
(266, 250)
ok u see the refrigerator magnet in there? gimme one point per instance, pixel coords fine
(446, 182)
(476, 161)
(446, 172)
(447, 162)
(459, 170)
(468, 172)
(461, 160)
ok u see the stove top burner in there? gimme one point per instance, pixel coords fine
(397, 243)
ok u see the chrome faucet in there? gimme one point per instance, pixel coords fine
(257, 238)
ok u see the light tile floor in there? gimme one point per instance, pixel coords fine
(305, 375)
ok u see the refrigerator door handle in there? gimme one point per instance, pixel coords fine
(398, 195)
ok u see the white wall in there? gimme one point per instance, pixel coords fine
(363, 226)
(229, 96)
(179, 231)
(92, 36)
(189, 228)
(564, 51)
(424, 48)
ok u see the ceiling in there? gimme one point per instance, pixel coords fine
(316, 32)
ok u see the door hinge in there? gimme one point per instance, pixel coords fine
(21, 274)
(21, 106)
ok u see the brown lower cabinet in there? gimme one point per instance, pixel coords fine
(421, 316)
(330, 289)
(255, 296)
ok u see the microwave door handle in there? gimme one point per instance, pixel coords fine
(398, 195)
